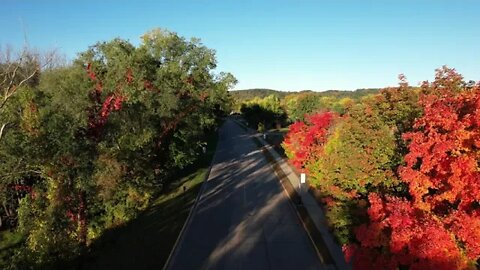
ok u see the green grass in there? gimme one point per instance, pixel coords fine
(9, 242)
(146, 242)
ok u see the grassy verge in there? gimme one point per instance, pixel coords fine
(146, 242)
(9, 242)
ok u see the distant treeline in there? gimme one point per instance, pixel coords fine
(267, 108)
(246, 94)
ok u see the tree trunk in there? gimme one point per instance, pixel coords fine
(7, 211)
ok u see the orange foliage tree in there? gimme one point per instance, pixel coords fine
(437, 224)
(305, 138)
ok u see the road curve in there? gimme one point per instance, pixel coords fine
(243, 219)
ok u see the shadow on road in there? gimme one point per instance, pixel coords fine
(244, 220)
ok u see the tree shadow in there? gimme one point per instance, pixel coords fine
(244, 220)
(145, 242)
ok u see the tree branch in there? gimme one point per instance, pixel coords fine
(1, 130)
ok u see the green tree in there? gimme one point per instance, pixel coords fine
(19, 75)
(361, 155)
(268, 111)
(100, 137)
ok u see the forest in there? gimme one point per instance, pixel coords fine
(396, 171)
(86, 146)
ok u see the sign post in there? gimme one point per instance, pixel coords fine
(303, 180)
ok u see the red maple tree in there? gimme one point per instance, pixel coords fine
(437, 226)
(303, 138)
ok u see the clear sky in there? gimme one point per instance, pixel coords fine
(285, 45)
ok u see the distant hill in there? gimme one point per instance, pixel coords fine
(358, 93)
(262, 92)
(247, 94)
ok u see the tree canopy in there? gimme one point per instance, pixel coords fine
(89, 144)
(398, 174)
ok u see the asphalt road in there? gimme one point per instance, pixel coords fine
(243, 219)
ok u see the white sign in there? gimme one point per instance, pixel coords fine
(303, 177)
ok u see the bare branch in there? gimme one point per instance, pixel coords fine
(18, 71)
(12, 80)
(1, 130)
(21, 172)
(26, 79)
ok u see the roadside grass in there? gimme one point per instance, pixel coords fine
(146, 242)
(9, 242)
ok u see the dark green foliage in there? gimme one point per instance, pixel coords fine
(266, 112)
(9, 242)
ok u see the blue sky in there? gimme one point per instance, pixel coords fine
(285, 45)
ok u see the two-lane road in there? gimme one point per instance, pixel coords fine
(243, 219)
